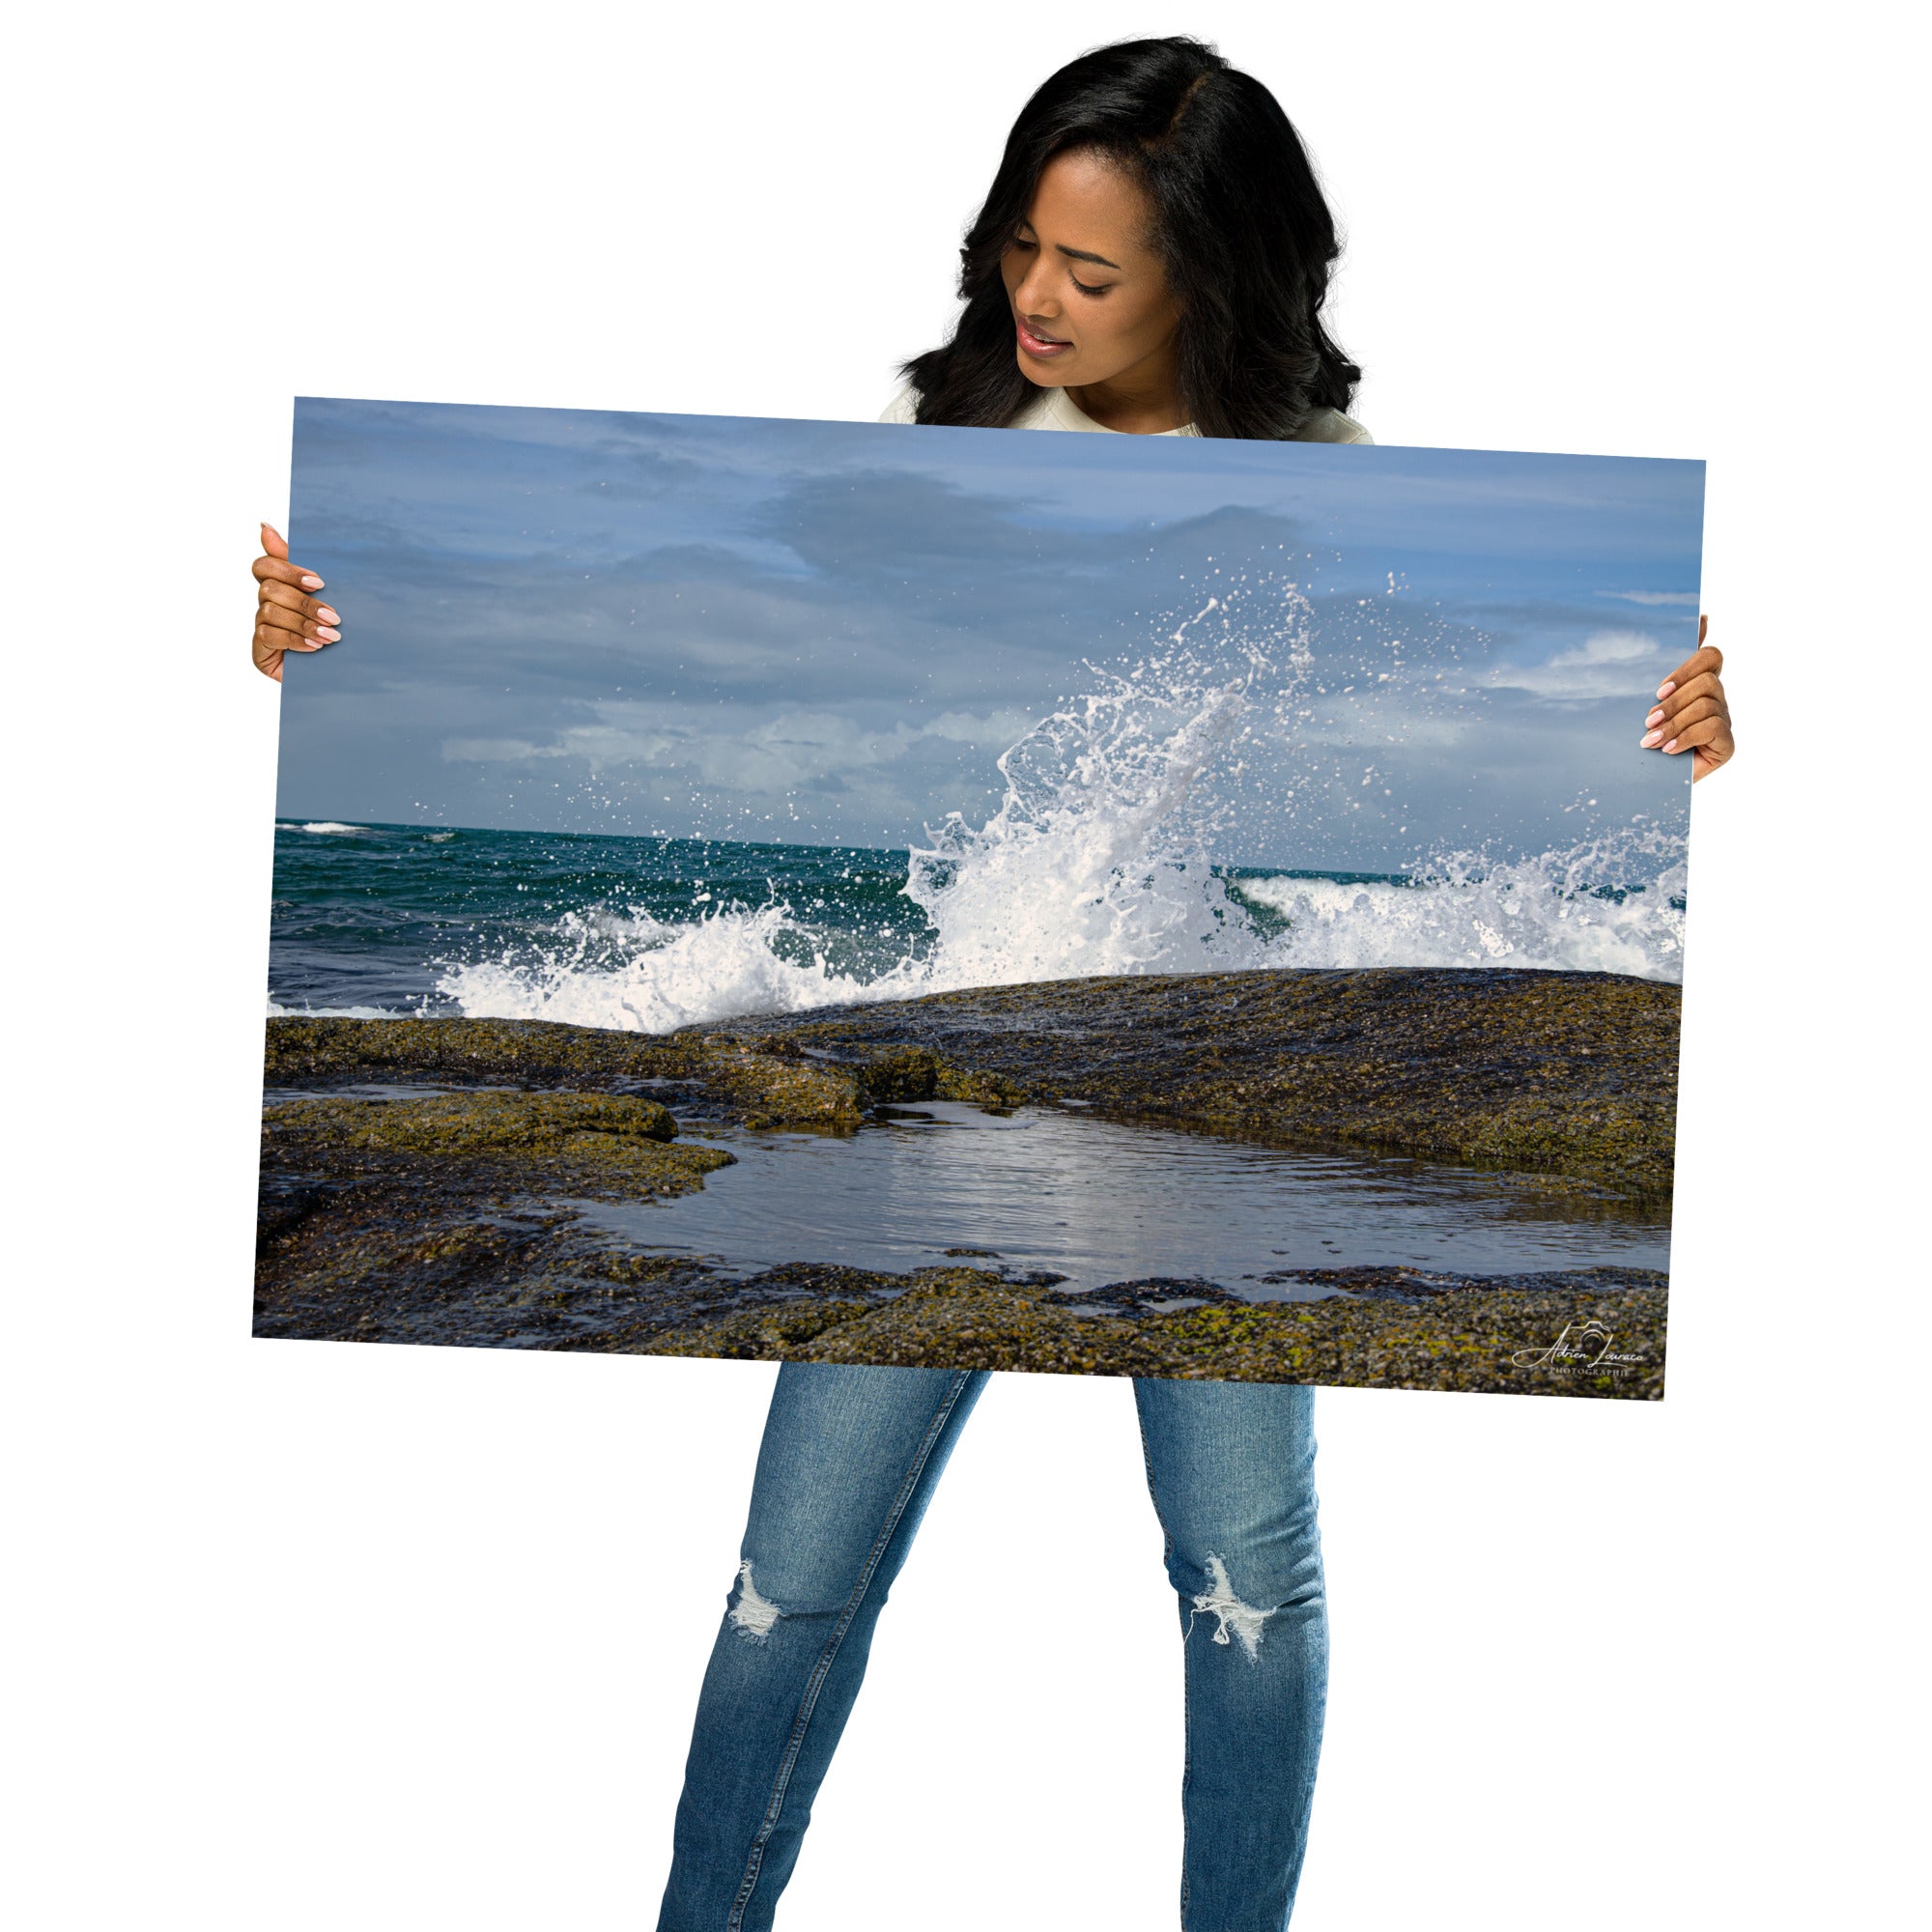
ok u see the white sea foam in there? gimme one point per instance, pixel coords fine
(1100, 861)
(1574, 910)
(278, 1012)
(330, 825)
(647, 976)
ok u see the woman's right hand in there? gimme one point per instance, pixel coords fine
(287, 618)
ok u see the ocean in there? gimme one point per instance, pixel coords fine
(653, 934)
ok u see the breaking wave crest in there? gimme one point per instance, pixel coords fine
(1576, 910)
(1101, 861)
(646, 975)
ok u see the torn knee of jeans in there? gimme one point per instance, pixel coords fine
(1235, 1621)
(752, 1615)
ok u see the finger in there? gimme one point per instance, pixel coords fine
(268, 659)
(293, 600)
(1666, 708)
(271, 570)
(1714, 732)
(272, 638)
(290, 630)
(1694, 713)
(291, 626)
(1703, 630)
(1709, 659)
(275, 542)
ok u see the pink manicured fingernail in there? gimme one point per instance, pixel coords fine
(1672, 746)
(1654, 717)
(311, 582)
(328, 636)
(1664, 689)
(1652, 739)
(329, 617)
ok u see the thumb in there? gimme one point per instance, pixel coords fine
(274, 544)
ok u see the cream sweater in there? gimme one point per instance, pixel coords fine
(1055, 409)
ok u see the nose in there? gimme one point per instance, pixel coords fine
(1035, 296)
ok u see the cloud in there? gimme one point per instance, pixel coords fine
(1610, 664)
(594, 621)
(493, 750)
(769, 757)
(998, 732)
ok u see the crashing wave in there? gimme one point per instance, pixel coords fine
(1100, 861)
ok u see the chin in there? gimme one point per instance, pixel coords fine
(1041, 379)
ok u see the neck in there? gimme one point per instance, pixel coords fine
(1144, 400)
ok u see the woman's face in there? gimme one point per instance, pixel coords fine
(1091, 300)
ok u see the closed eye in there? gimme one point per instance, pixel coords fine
(1085, 287)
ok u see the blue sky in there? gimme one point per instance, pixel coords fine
(827, 631)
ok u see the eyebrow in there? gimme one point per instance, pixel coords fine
(1080, 254)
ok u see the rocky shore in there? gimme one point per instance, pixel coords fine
(417, 1175)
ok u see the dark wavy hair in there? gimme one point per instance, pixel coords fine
(1243, 233)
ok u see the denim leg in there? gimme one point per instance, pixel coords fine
(849, 1461)
(1232, 1468)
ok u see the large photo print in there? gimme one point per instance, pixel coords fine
(852, 893)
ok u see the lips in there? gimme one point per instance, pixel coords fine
(1044, 347)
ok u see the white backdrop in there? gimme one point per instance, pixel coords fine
(308, 1636)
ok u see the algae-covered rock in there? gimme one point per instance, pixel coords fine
(902, 1073)
(1570, 1073)
(451, 1123)
(757, 1082)
(302, 1051)
(1581, 1338)
(461, 1212)
(753, 1334)
(918, 1074)
(774, 1089)
(453, 1145)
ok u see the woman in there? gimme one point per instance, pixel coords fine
(1151, 258)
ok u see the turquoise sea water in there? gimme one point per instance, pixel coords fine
(650, 934)
(380, 915)
(407, 919)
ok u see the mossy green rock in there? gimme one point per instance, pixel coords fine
(759, 1082)
(1572, 1073)
(452, 1123)
(1498, 1342)
(459, 1215)
(445, 1148)
(302, 1051)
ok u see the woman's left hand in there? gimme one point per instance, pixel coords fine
(1692, 713)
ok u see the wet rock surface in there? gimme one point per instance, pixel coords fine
(417, 1175)
(1562, 1073)
(765, 1081)
(1568, 1335)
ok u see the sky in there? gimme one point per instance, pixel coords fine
(828, 633)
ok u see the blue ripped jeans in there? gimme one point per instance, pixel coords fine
(849, 1461)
